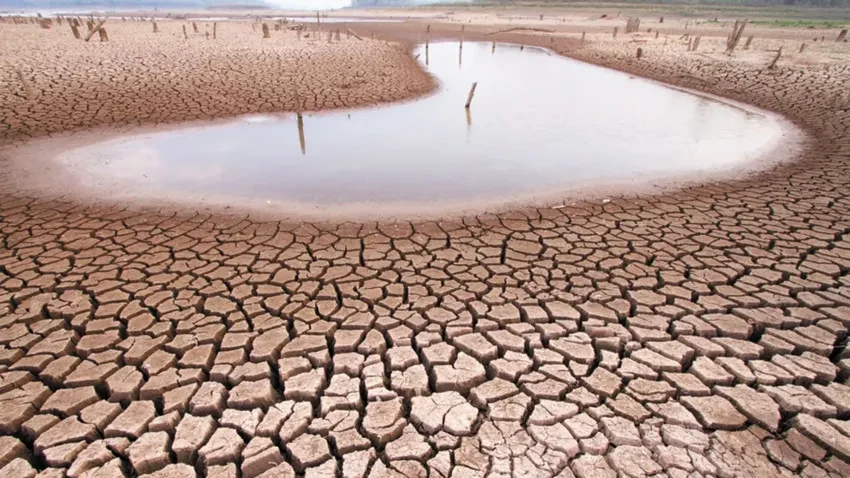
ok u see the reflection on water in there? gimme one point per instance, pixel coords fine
(541, 122)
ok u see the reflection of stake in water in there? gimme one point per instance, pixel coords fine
(301, 134)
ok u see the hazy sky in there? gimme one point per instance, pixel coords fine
(310, 4)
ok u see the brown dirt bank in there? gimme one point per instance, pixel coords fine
(141, 77)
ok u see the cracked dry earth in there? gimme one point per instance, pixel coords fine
(141, 77)
(702, 333)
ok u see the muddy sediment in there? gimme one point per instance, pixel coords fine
(702, 331)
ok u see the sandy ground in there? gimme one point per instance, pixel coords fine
(701, 333)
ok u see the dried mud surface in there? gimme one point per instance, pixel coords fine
(141, 77)
(697, 334)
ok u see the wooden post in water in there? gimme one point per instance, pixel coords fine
(318, 22)
(773, 63)
(471, 94)
(301, 139)
(493, 50)
(462, 27)
(266, 33)
(75, 30)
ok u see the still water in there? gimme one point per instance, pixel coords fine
(538, 122)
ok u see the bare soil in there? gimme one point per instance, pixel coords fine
(701, 332)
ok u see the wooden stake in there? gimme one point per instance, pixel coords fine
(195, 27)
(696, 43)
(301, 139)
(802, 47)
(103, 36)
(616, 29)
(842, 35)
(185, 35)
(95, 29)
(266, 33)
(215, 27)
(735, 37)
(493, 50)
(773, 63)
(582, 36)
(749, 42)
(355, 35)
(639, 53)
(27, 89)
(75, 30)
(155, 27)
(471, 94)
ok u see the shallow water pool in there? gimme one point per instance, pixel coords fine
(538, 124)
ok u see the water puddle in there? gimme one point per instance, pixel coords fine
(539, 124)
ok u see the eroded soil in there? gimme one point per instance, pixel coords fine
(701, 333)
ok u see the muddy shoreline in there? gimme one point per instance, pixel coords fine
(406, 35)
(36, 165)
